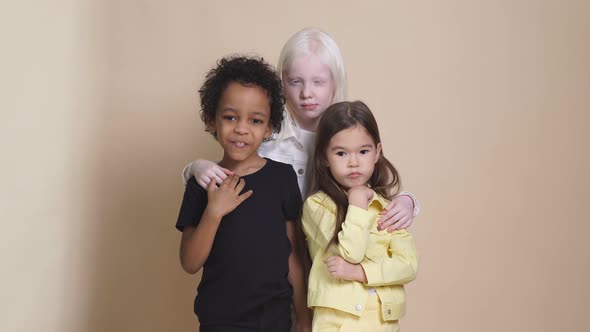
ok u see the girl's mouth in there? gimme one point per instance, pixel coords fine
(309, 107)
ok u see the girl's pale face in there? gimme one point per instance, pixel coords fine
(351, 156)
(309, 88)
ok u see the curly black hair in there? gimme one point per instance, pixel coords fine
(248, 71)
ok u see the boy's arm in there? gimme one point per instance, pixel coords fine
(196, 242)
(397, 269)
(297, 280)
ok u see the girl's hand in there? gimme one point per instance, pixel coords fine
(360, 196)
(399, 214)
(339, 268)
(206, 171)
(225, 198)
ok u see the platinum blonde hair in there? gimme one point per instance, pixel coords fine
(313, 41)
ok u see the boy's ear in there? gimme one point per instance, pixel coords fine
(268, 132)
(211, 128)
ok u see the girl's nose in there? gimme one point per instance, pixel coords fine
(306, 91)
(353, 161)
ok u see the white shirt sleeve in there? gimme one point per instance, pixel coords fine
(414, 200)
(185, 177)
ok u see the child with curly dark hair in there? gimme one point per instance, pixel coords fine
(242, 232)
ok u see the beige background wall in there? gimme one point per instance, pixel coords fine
(483, 104)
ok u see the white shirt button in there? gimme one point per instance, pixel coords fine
(358, 307)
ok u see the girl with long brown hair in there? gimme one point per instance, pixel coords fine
(358, 271)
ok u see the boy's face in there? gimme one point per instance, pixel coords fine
(242, 121)
(309, 88)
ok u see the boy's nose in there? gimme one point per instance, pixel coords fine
(241, 127)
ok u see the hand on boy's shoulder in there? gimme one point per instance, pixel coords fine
(225, 198)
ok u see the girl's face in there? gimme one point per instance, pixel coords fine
(309, 88)
(351, 156)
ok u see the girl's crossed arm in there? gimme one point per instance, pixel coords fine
(399, 268)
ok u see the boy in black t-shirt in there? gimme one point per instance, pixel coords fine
(242, 232)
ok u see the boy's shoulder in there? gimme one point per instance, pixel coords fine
(193, 186)
(278, 166)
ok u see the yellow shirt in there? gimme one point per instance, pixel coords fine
(388, 259)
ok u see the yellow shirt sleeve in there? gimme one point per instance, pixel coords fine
(319, 221)
(399, 268)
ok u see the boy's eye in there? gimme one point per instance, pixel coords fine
(318, 82)
(295, 82)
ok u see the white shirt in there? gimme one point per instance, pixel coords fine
(293, 146)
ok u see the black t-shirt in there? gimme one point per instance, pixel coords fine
(249, 259)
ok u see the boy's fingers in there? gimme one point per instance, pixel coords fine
(244, 196)
(211, 186)
(240, 185)
(234, 181)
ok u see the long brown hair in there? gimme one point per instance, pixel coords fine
(385, 179)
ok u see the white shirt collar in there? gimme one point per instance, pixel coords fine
(289, 129)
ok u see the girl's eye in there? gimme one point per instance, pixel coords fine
(257, 121)
(364, 151)
(318, 82)
(295, 82)
(229, 117)
(340, 153)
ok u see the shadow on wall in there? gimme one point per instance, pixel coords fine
(138, 142)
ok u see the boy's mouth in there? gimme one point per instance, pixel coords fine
(239, 144)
